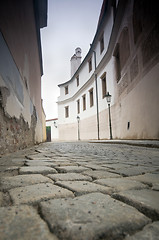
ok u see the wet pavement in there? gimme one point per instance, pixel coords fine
(80, 190)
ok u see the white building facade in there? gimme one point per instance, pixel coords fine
(119, 62)
(52, 129)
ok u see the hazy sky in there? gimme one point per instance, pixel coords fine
(71, 24)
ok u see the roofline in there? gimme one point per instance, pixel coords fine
(54, 119)
(100, 24)
(40, 12)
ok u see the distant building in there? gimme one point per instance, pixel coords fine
(123, 60)
(52, 129)
(21, 113)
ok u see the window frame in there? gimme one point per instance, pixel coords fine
(90, 64)
(66, 90)
(77, 80)
(66, 111)
(104, 84)
(84, 102)
(78, 106)
(117, 62)
(91, 97)
(101, 43)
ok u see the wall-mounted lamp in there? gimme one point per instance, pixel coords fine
(55, 124)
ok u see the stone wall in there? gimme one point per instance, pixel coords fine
(15, 133)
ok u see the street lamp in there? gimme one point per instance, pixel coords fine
(108, 98)
(78, 120)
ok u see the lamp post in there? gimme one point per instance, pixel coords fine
(78, 120)
(108, 98)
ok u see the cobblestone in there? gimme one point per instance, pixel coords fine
(151, 231)
(39, 163)
(23, 222)
(101, 174)
(37, 169)
(83, 187)
(37, 192)
(148, 178)
(69, 177)
(92, 216)
(121, 184)
(131, 171)
(22, 180)
(66, 169)
(80, 190)
(146, 201)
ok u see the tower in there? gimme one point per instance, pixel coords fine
(75, 61)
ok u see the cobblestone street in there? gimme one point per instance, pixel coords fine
(80, 191)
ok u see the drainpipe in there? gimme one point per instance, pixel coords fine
(96, 93)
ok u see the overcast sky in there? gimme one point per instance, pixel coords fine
(71, 24)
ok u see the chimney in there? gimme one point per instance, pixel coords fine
(75, 61)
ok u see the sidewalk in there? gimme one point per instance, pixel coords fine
(78, 191)
(142, 143)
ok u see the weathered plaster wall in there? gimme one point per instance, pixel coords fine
(21, 122)
(15, 133)
(17, 23)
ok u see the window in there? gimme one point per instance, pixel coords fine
(91, 97)
(124, 47)
(77, 80)
(102, 43)
(90, 64)
(78, 106)
(66, 90)
(117, 63)
(104, 87)
(84, 102)
(67, 112)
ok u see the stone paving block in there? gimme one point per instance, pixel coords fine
(155, 186)
(100, 174)
(148, 178)
(38, 163)
(1, 198)
(133, 171)
(37, 169)
(117, 165)
(69, 177)
(23, 180)
(38, 192)
(12, 168)
(91, 216)
(37, 157)
(94, 166)
(63, 163)
(121, 184)
(149, 232)
(146, 201)
(19, 161)
(66, 169)
(23, 222)
(83, 187)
